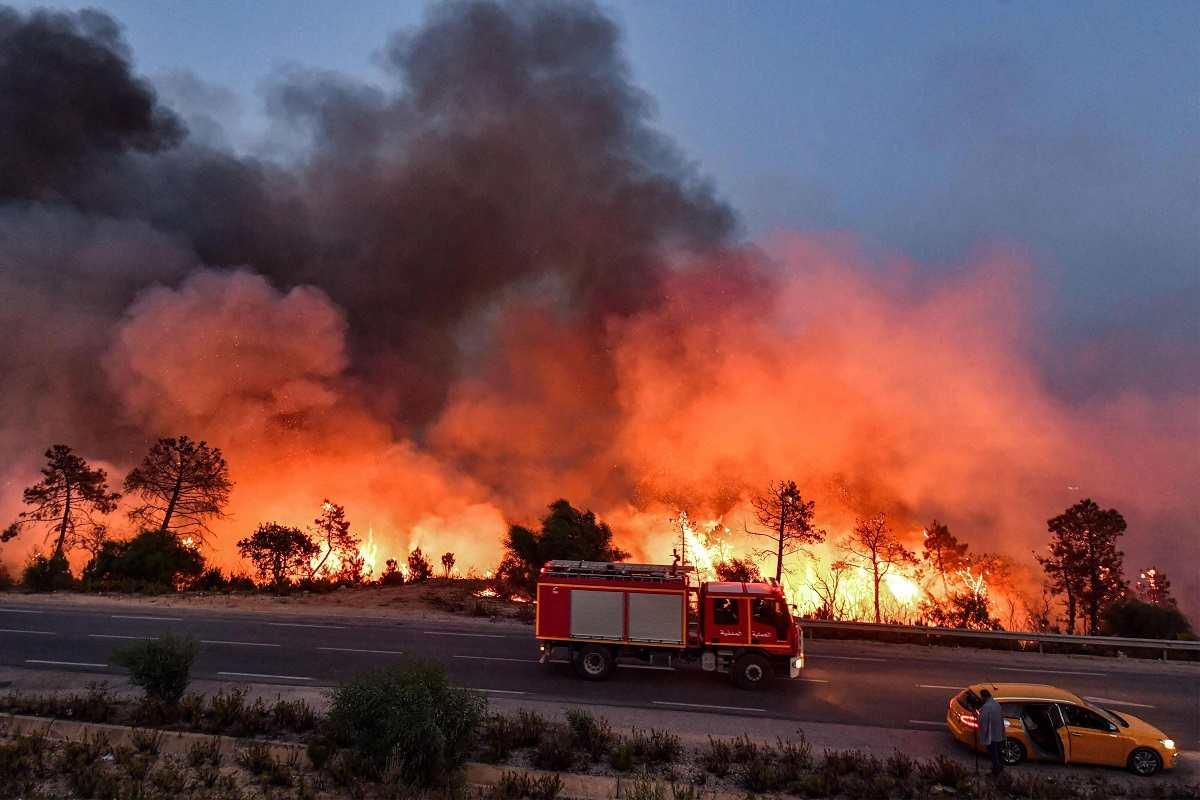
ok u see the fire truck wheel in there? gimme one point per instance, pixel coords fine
(594, 663)
(752, 671)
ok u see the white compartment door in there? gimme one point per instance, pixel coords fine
(597, 614)
(656, 617)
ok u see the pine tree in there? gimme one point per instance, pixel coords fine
(334, 536)
(67, 500)
(182, 485)
(787, 519)
(1084, 562)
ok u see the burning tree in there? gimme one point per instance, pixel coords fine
(788, 520)
(1084, 563)
(1153, 587)
(419, 568)
(333, 530)
(873, 547)
(447, 564)
(737, 570)
(942, 553)
(278, 551)
(182, 484)
(828, 589)
(66, 500)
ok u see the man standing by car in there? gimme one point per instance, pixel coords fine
(991, 729)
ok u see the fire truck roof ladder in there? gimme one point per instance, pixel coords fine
(604, 569)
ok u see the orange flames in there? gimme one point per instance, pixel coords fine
(872, 388)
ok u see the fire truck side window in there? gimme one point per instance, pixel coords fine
(726, 611)
(764, 611)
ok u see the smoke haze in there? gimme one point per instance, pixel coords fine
(491, 282)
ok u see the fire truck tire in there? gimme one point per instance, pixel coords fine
(594, 663)
(752, 671)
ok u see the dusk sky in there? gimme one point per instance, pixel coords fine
(1069, 132)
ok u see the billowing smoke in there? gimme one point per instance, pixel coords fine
(491, 282)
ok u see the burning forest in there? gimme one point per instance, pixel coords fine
(491, 282)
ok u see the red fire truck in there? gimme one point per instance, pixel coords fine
(598, 612)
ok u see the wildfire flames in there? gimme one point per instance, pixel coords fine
(484, 287)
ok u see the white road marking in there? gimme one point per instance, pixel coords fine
(19, 611)
(64, 663)
(703, 705)
(149, 619)
(258, 675)
(937, 686)
(358, 650)
(305, 625)
(31, 633)
(116, 636)
(246, 644)
(848, 658)
(1105, 701)
(926, 722)
(499, 658)
(1051, 671)
(495, 691)
(475, 635)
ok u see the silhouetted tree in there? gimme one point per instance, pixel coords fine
(1084, 563)
(66, 501)
(875, 548)
(333, 536)
(1153, 587)
(738, 570)
(966, 609)
(279, 552)
(566, 533)
(419, 568)
(788, 521)
(942, 553)
(392, 576)
(447, 564)
(182, 485)
(828, 588)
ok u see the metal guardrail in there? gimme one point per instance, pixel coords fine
(929, 632)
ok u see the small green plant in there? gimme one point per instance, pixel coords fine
(146, 741)
(943, 771)
(495, 738)
(589, 734)
(555, 751)
(255, 758)
(621, 757)
(205, 752)
(522, 786)
(527, 728)
(642, 789)
(718, 758)
(161, 667)
(408, 717)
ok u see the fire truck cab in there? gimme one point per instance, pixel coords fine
(599, 612)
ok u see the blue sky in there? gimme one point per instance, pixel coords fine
(1070, 131)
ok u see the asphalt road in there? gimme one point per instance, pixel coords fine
(847, 683)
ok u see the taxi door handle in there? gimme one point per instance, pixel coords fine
(1077, 734)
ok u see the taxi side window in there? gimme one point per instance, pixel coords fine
(726, 611)
(1011, 709)
(1082, 718)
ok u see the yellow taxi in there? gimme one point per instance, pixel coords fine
(1044, 723)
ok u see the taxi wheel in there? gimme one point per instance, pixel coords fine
(752, 671)
(1144, 762)
(1012, 752)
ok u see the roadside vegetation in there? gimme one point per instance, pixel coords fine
(404, 732)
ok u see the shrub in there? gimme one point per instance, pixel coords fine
(943, 771)
(392, 576)
(519, 785)
(410, 716)
(162, 668)
(44, 574)
(6, 578)
(592, 736)
(1133, 618)
(241, 582)
(527, 728)
(210, 580)
(555, 751)
(496, 738)
(152, 560)
(278, 552)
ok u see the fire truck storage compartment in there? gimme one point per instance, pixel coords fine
(656, 617)
(597, 614)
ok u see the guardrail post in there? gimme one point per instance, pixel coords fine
(1040, 648)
